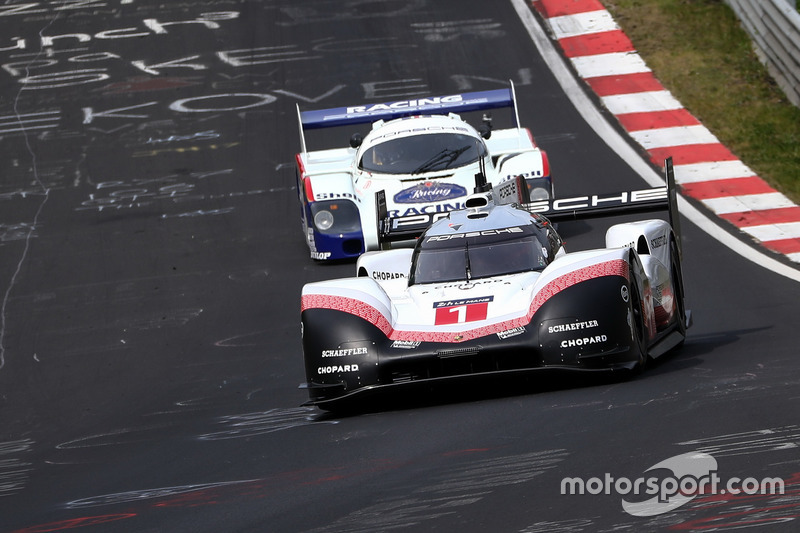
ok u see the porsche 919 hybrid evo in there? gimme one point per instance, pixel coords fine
(420, 153)
(491, 289)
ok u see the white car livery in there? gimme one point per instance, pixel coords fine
(420, 154)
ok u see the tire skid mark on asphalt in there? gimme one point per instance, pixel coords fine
(730, 511)
(114, 438)
(14, 469)
(153, 494)
(748, 442)
(734, 512)
(263, 422)
(720, 511)
(449, 489)
(238, 341)
(572, 525)
(220, 492)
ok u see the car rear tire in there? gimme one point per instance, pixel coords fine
(676, 275)
(638, 328)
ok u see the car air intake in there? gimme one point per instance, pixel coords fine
(476, 201)
(457, 352)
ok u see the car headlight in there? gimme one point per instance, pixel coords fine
(323, 220)
(539, 193)
(335, 217)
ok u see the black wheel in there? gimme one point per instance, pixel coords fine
(638, 327)
(676, 275)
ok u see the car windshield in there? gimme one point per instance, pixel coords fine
(422, 153)
(472, 259)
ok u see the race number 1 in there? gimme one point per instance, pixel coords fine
(459, 312)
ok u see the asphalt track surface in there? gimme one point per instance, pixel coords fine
(151, 265)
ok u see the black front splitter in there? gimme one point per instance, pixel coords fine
(356, 400)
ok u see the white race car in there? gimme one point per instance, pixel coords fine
(420, 153)
(490, 290)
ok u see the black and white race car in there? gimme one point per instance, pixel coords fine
(422, 154)
(491, 289)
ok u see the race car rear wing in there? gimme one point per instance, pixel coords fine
(434, 105)
(556, 210)
(621, 203)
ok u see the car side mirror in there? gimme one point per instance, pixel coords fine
(355, 140)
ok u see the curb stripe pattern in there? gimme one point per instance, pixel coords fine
(705, 169)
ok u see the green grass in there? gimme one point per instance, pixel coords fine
(700, 53)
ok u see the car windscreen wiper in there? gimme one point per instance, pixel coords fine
(446, 157)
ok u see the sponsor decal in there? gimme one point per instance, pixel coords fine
(658, 242)
(513, 332)
(585, 341)
(657, 291)
(406, 345)
(387, 275)
(429, 129)
(460, 311)
(344, 353)
(482, 233)
(470, 284)
(463, 301)
(320, 255)
(572, 326)
(531, 174)
(405, 104)
(415, 223)
(429, 192)
(583, 202)
(417, 215)
(507, 189)
(624, 293)
(337, 369)
(336, 196)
